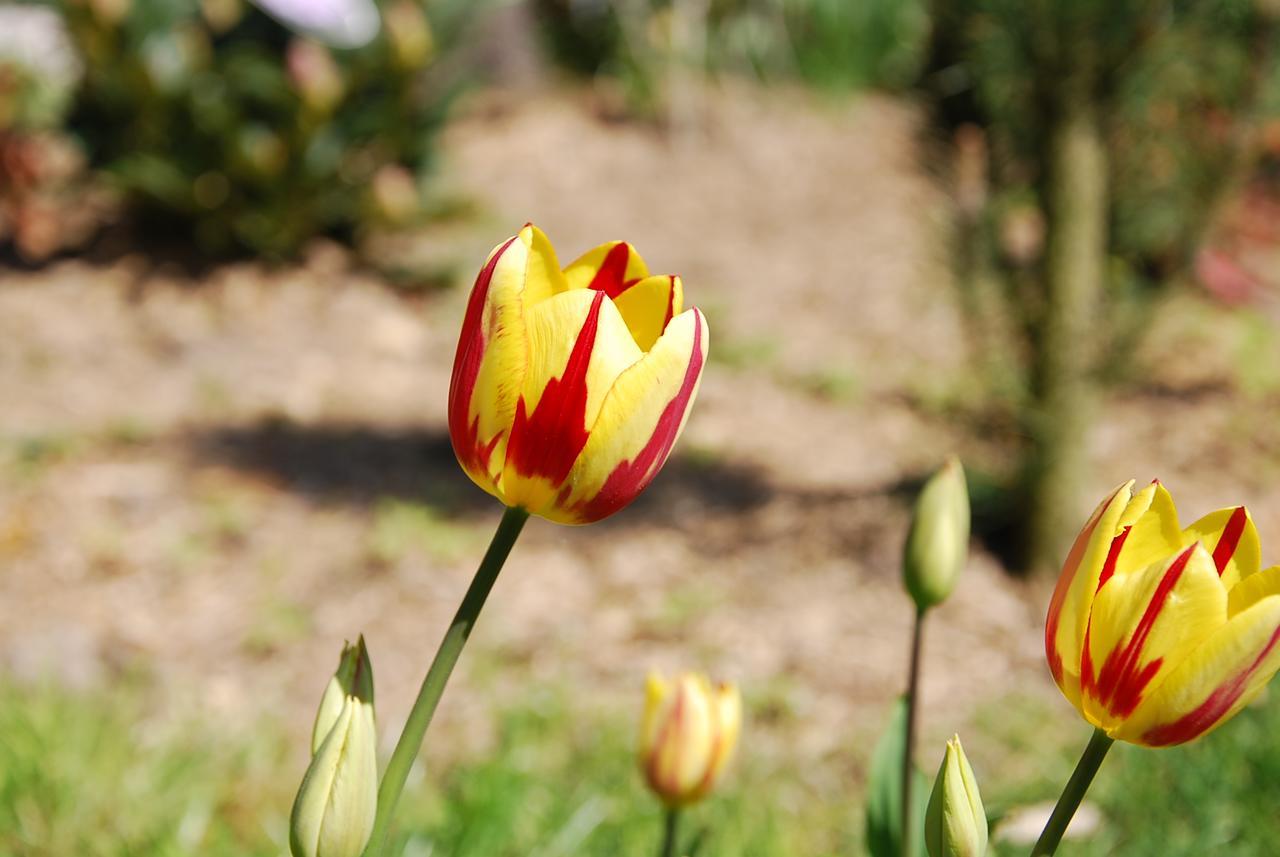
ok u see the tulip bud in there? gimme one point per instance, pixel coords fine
(955, 824)
(334, 811)
(409, 31)
(689, 733)
(938, 542)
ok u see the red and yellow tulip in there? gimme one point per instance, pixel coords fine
(1156, 633)
(688, 736)
(571, 386)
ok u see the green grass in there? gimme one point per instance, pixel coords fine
(96, 775)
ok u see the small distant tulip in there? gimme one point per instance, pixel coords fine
(1159, 634)
(571, 386)
(314, 74)
(689, 734)
(938, 543)
(334, 811)
(412, 42)
(955, 824)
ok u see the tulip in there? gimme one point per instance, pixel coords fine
(571, 386)
(955, 822)
(938, 542)
(1159, 634)
(334, 811)
(688, 735)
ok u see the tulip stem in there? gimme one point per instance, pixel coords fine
(415, 728)
(1073, 793)
(670, 833)
(909, 742)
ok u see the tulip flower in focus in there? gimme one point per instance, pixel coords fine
(938, 542)
(955, 822)
(688, 735)
(571, 386)
(1158, 633)
(335, 807)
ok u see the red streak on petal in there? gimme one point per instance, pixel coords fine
(1113, 556)
(463, 431)
(1230, 539)
(629, 478)
(547, 442)
(1069, 570)
(1209, 712)
(612, 276)
(1123, 680)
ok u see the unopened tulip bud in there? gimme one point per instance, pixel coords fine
(689, 734)
(334, 811)
(955, 824)
(938, 542)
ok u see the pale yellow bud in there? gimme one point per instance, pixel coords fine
(688, 736)
(955, 823)
(938, 543)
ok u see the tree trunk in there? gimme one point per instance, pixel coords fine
(1062, 389)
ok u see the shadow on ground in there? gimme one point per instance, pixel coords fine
(361, 464)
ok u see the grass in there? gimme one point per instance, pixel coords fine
(94, 774)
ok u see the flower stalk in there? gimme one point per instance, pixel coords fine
(424, 707)
(909, 744)
(1073, 793)
(671, 833)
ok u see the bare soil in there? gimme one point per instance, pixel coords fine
(214, 477)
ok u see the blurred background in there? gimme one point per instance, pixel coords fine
(237, 240)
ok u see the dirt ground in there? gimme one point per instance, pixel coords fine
(212, 478)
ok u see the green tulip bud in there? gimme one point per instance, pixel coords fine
(955, 824)
(334, 811)
(938, 542)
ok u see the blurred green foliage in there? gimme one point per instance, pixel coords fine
(217, 123)
(833, 44)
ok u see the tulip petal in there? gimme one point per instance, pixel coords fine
(648, 307)
(726, 705)
(638, 423)
(611, 268)
(1142, 625)
(489, 367)
(1153, 531)
(578, 345)
(1232, 538)
(1253, 589)
(1068, 617)
(1214, 682)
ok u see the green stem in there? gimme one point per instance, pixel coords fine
(1073, 793)
(909, 744)
(670, 833)
(415, 728)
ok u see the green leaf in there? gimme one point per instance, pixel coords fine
(884, 792)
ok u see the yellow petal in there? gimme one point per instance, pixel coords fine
(1214, 682)
(638, 423)
(609, 268)
(1154, 533)
(578, 345)
(1068, 616)
(727, 714)
(649, 305)
(489, 367)
(1231, 537)
(1253, 589)
(544, 277)
(1142, 625)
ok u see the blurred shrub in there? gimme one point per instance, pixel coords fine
(217, 123)
(1094, 147)
(828, 43)
(44, 202)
